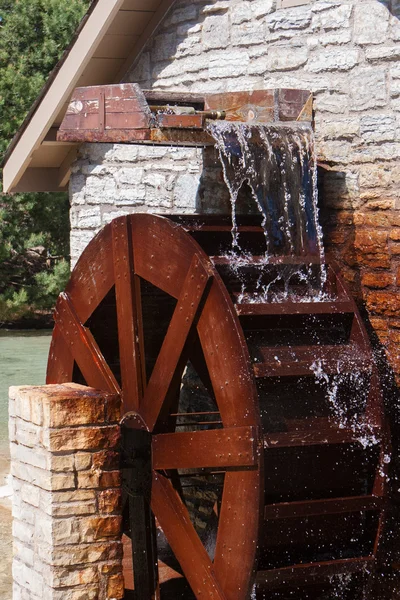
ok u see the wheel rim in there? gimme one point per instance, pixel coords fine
(145, 247)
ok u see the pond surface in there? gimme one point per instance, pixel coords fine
(23, 359)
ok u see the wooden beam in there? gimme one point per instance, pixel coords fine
(64, 171)
(59, 92)
(41, 179)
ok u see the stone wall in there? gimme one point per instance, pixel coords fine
(347, 54)
(110, 181)
(66, 501)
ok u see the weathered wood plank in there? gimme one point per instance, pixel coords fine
(219, 448)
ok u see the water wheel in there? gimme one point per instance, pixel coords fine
(217, 377)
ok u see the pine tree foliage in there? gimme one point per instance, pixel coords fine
(34, 228)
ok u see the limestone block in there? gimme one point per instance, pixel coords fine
(217, 6)
(99, 190)
(61, 577)
(384, 303)
(333, 60)
(134, 195)
(241, 13)
(29, 494)
(88, 218)
(164, 46)
(27, 577)
(395, 88)
(340, 127)
(372, 176)
(115, 586)
(129, 176)
(321, 5)
(110, 501)
(261, 8)
(189, 45)
(335, 151)
(368, 89)
(62, 536)
(121, 153)
(335, 38)
(84, 553)
(81, 438)
(334, 17)
(382, 152)
(186, 191)
(247, 34)
(282, 58)
(216, 31)
(383, 53)
(231, 65)
(189, 29)
(371, 23)
(377, 128)
(181, 14)
(288, 19)
(142, 69)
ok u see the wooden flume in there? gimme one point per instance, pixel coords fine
(150, 294)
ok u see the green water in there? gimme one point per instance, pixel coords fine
(23, 358)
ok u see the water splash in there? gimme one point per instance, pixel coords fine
(278, 164)
(347, 410)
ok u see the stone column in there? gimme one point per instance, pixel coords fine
(67, 496)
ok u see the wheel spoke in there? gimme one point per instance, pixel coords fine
(174, 520)
(238, 528)
(129, 314)
(84, 348)
(170, 358)
(61, 363)
(218, 448)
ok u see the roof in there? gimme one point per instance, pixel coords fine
(110, 37)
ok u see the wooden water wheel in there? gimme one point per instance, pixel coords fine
(155, 308)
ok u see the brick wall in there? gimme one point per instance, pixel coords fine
(347, 53)
(66, 501)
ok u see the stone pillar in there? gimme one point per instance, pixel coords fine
(67, 496)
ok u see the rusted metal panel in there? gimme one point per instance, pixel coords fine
(180, 121)
(291, 103)
(244, 106)
(124, 113)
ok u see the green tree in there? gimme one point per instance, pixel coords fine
(34, 228)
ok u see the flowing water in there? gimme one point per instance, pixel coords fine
(278, 164)
(23, 358)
